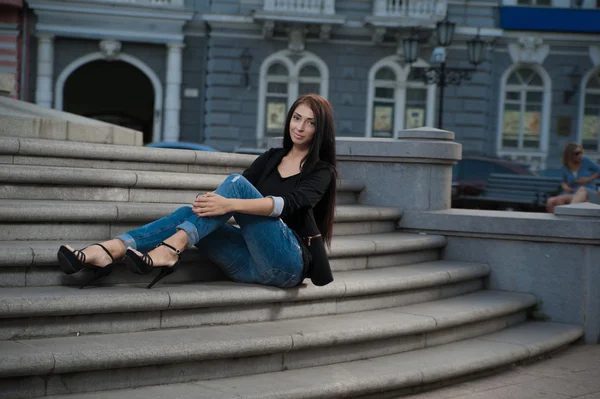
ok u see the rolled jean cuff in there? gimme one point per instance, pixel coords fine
(191, 231)
(128, 241)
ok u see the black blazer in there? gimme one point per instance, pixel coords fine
(298, 209)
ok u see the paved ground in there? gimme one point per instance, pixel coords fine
(573, 373)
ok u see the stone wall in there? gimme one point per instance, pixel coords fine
(555, 257)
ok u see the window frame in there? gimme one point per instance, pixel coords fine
(542, 151)
(582, 94)
(286, 57)
(396, 64)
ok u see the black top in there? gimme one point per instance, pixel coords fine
(300, 194)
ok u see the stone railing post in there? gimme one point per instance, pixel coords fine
(380, 8)
(590, 298)
(413, 172)
(329, 7)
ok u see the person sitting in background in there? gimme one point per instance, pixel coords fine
(577, 171)
(584, 194)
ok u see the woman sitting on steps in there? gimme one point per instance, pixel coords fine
(283, 203)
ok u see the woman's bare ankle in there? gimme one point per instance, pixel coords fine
(165, 256)
(178, 240)
(116, 248)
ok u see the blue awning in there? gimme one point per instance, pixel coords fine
(550, 19)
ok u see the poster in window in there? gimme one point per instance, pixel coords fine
(383, 118)
(511, 124)
(275, 116)
(415, 117)
(532, 123)
(590, 127)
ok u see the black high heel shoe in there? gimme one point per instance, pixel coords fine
(73, 261)
(143, 264)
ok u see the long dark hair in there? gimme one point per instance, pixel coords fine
(322, 149)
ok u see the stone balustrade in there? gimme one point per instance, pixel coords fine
(326, 7)
(419, 9)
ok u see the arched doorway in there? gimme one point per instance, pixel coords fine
(112, 91)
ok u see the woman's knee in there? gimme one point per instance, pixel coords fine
(235, 178)
(237, 186)
(184, 211)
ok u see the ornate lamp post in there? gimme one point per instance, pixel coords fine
(442, 76)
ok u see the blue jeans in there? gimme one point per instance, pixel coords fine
(263, 250)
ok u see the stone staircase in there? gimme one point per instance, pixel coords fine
(397, 318)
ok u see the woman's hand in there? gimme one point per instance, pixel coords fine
(586, 180)
(211, 204)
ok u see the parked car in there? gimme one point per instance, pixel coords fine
(182, 145)
(470, 174)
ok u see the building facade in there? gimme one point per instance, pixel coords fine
(224, 72)
(15, 26)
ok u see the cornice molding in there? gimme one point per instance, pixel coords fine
(556, 37)
(103, 33)
(88, 20)
(103, 9)
(299, 18)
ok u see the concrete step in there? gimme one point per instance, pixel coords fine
(33, 263)
(28, 312)
(379, 377)
(23, 119)
(21, 151)
(99, 221)
(127, 360)
(87, 184)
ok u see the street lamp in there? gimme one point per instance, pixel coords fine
(443, 76)
(445, 32)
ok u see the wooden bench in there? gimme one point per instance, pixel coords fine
(514, 192)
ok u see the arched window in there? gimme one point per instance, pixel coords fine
(398, 99)
(283, 77)
(524, 115)
(276, 98)
(416, 102)
(310, 80)
(384, 103)
(523, 107)
(590, 121)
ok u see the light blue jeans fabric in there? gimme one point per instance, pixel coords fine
(263, 250)
(593, 196)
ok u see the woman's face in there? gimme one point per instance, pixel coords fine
(302, 126)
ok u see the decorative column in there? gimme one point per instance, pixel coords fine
(173, 92)
(45, 70)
